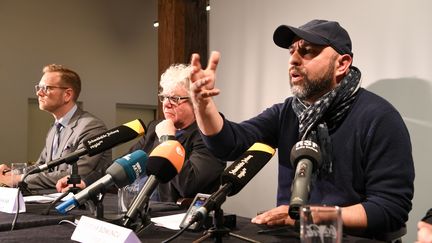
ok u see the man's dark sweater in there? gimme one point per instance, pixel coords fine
(371, 153)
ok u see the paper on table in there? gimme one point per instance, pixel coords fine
(170, 221)
(47, 198)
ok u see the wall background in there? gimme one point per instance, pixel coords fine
(391, 45)
(113, 46)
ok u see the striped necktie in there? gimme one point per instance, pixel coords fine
(56, 140)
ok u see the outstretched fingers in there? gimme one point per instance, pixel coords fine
(199, 90)
(196, 67)
(213, 61)
(210, 72)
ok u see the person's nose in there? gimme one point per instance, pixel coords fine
(166, 103)
(295, 59)
(40, 93)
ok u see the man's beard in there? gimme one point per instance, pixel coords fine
(313, 88)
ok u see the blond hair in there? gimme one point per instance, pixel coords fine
(68, 77)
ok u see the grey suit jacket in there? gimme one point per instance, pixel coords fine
(82, 126)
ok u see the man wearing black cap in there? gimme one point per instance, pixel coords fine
(367, 166)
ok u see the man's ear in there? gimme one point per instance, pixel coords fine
(68, 95)
(343, 63)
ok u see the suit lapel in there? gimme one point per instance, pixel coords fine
(68, 132)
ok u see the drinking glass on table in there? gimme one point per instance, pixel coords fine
(17, 170)
(320, 224)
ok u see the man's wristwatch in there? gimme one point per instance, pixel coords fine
(164, 138)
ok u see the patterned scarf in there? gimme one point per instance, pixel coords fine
(326, 113)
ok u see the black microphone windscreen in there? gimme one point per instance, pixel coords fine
(114, 137)
(241, 171)
(161, 168)
(166, 160)
(306, 149)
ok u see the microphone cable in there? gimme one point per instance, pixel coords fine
(21, 184)
(178, 233)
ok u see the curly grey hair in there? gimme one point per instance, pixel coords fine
(177, 75)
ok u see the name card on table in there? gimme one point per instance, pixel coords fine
(94, 230)
(8, 200)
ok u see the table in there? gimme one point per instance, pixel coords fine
(34, 227)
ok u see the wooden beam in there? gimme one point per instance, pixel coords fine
(183, 30)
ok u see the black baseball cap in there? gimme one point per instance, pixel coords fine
(319, 32)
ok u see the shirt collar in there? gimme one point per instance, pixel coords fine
(66, 118)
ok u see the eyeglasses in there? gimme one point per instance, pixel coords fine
(47, 88)
(173, 100)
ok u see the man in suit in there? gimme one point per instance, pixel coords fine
(57, 92)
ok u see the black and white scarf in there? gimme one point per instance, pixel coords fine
(326, 113)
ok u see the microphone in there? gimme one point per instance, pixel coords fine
(122, 172)
(98, 144)
(164, 163)
(235, 177)
(306, 158)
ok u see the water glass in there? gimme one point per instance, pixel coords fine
(320, 224)
(126, 195)
(17, 170)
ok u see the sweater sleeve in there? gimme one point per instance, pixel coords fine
(389, 173)
(235, 138)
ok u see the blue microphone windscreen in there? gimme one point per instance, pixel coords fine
(131, 166)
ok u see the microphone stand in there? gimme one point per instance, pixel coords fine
(143, 222)
(98, 208)
(73, 180)
(136, 217)
(218, 231)
(138, 223)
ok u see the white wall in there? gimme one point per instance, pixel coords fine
(391, 45)
(111, 44)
